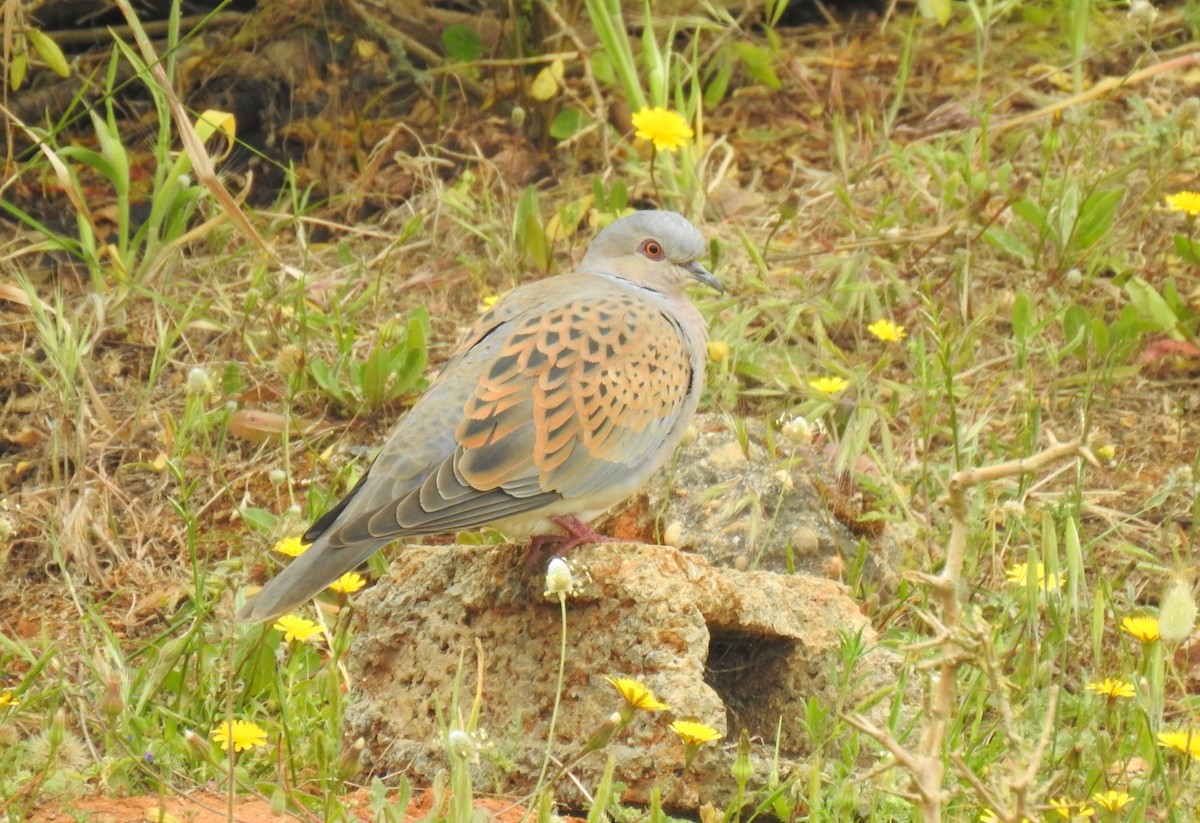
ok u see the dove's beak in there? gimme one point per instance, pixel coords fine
(703, 275)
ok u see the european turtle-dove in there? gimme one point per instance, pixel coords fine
(563, 399)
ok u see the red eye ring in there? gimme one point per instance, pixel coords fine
(652, 249)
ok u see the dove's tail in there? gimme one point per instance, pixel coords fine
(305, 577)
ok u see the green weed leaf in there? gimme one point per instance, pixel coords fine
(938, 10)
(462, 43)
(49, 51)
(1152, 308)
(567, 123)
(759, 64)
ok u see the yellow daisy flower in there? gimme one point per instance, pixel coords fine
(1187, 742)
(1111, 689)
(694, 734)
(348, 582)
(829, 384)
(887, 331)
(1144, 629)
(637, 696)
(1187, 201)
(1112, 800)
(295, 627)
(241, 734)
(1018, 575)
(8, 700)
(291, 546)
(990, 816)
(666, 129)
(1069, 809)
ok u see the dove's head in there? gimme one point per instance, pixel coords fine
(658, 250)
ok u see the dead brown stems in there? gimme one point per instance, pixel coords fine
(926, 763)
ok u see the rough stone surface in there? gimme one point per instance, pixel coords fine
(756, 499)
(731, 649)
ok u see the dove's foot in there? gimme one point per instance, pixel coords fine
(544, 546)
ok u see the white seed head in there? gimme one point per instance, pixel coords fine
(198, 381)
(1142, 13)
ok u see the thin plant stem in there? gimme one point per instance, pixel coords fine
(558, 690)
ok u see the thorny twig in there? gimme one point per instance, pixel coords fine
(926, 763)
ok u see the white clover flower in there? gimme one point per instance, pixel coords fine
(460, 744)
(198, 381)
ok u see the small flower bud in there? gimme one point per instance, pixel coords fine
(743, 769)
(1177, 613)
(601, 737)
(198, 745)
(111, 702)
(718, 351)
(349, 762)
(277, 477)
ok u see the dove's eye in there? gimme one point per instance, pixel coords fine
(652, 249)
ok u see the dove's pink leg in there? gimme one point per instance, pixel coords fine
(542, 546)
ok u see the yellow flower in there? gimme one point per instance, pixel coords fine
(1069, 809)
(8, 700)
(1019, 575)
(291, 546)
(295, 627)
(241, 734)
(694, 734)
(666, 129)
(1188, 201)
(829, 385)
(990, 816)
(1112, 800)
(348, 582)
(887, 331)
(1144, 629)
(718, 351)
(1111, 689)
(1186, 742)
(637, 696)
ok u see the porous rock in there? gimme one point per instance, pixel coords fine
(730, 649)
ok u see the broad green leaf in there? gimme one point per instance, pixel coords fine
(567, 123)
(1152, 308)
(1186, 248)
(1009, 242)
(1096, 216)
(462, 43)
